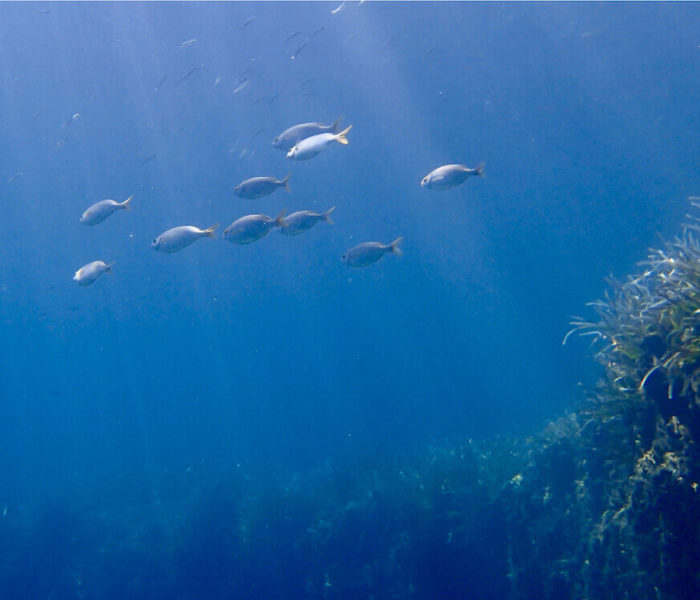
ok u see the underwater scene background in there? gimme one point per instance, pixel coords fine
(263, 421)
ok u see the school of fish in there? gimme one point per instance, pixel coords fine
(300, 142)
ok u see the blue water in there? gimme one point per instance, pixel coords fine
(276, 355)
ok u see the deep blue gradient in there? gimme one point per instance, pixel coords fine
(275, 354)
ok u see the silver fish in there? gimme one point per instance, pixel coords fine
(292, 136)
(242, 85)
(257, 187)
(310, 147)
(300, 48)
(292, 36)
(89, 273)
(178, 238)
(448, 176)
(303, 220)
(73, 119)
(368, 253)
(251, 228)
(99, 211)
(186, 75)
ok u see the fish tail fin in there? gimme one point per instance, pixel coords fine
(342, 136)
(109, 267)
(285, 182)
(394, 246)
(327, 215)
(479, 170)
(279, 219)
(126, 205)
(335, 124)
(209, 232)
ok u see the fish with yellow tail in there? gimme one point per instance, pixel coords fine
(303, 220)
(448, 176)
(89, 273)
(311, 146)
(99, 211)
(369, 253)
(251, 228)
(257, 187)
(180, 237)
(292, 136)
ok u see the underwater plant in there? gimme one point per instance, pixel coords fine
(643, 424)
(602, 503)
(648, 328)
